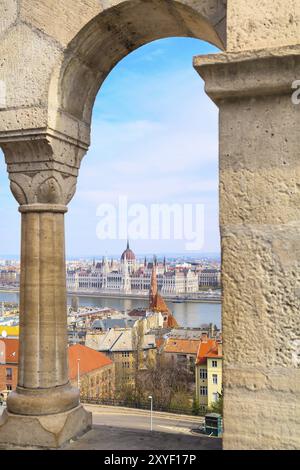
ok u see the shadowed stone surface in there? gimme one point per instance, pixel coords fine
(111, 438)
(48, 431)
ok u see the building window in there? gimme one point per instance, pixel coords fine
(215, 397)
(214, 363)
(9, 373)
(203, 391)
(8, 387)
(215, 379)
(203, 374)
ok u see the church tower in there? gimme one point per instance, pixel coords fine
(157, 303)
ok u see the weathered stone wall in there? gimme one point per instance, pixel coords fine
(61, 51)
(260, 228)
(259, 24)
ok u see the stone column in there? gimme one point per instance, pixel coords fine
(44, 410)
(43, 385)
(260, 231)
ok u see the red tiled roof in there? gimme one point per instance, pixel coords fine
(11, 348)
(159, 342)
(171, 321)
(207, 349)
(185, 346)
(89, 360)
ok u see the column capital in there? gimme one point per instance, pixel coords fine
(249, 74)
(54, 208)
(42, 169)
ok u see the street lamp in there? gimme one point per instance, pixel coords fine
(151, 412)
(78, 374)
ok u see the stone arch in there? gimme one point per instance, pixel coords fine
(110, 36)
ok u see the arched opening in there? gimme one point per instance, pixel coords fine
(154, 140)
(113, 34)
(79, 87)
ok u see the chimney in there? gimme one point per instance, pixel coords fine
(204, 337)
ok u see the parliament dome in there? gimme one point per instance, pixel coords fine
(128, 254)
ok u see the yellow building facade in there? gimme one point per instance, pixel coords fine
(208, 372)
(9, 331)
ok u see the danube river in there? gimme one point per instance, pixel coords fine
(189, 314)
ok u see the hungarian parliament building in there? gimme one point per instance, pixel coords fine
(130, 276)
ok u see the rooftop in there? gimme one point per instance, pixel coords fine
(89, 360)
(209, 348)
(185, 346)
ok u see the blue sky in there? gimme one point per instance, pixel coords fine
(154, 140)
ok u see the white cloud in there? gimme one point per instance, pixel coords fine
(154, 139)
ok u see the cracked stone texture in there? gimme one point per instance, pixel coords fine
(74, 15)
(46, 46)
(259, 198)
(259, 24)
(50, 431)
(8, 15)
(31, 58)
(39, 34)
(260, 231)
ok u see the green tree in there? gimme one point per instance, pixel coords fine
(196, 407)
(217, 407)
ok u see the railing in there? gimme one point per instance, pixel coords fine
(142, 405)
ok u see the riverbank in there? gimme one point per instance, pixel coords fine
(133, 296)
(187, 313)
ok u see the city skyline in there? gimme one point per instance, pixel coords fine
(149, 255)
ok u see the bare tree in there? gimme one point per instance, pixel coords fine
(167, 382)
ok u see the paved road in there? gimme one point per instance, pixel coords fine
(116, 428)
(140, 419)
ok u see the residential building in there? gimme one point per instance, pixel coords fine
(210, 330)
(208, 372)
(9, 331)
(209, 278)
(93, 370)
(129, 349)
(9, 356)
(9, 276)
(182, 352)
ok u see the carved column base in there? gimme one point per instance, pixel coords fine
(48, 431)
(26, 401)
